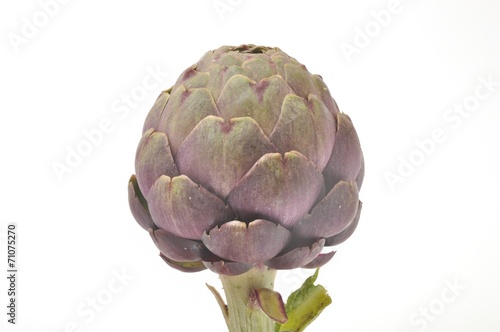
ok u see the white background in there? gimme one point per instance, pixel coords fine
(439, 225)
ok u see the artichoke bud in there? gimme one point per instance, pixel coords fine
(247, 161)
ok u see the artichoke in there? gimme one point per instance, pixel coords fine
(247, 162)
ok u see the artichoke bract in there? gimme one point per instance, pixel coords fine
(247, 161)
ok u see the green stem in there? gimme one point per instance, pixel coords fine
(242, 315)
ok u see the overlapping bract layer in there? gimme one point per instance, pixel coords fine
(247, 160)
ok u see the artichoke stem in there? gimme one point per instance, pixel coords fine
(242, 315)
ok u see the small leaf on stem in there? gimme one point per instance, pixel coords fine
(220, 301)
(270, 302)
(304, 305)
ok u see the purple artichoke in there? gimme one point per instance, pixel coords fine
(247, 161)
